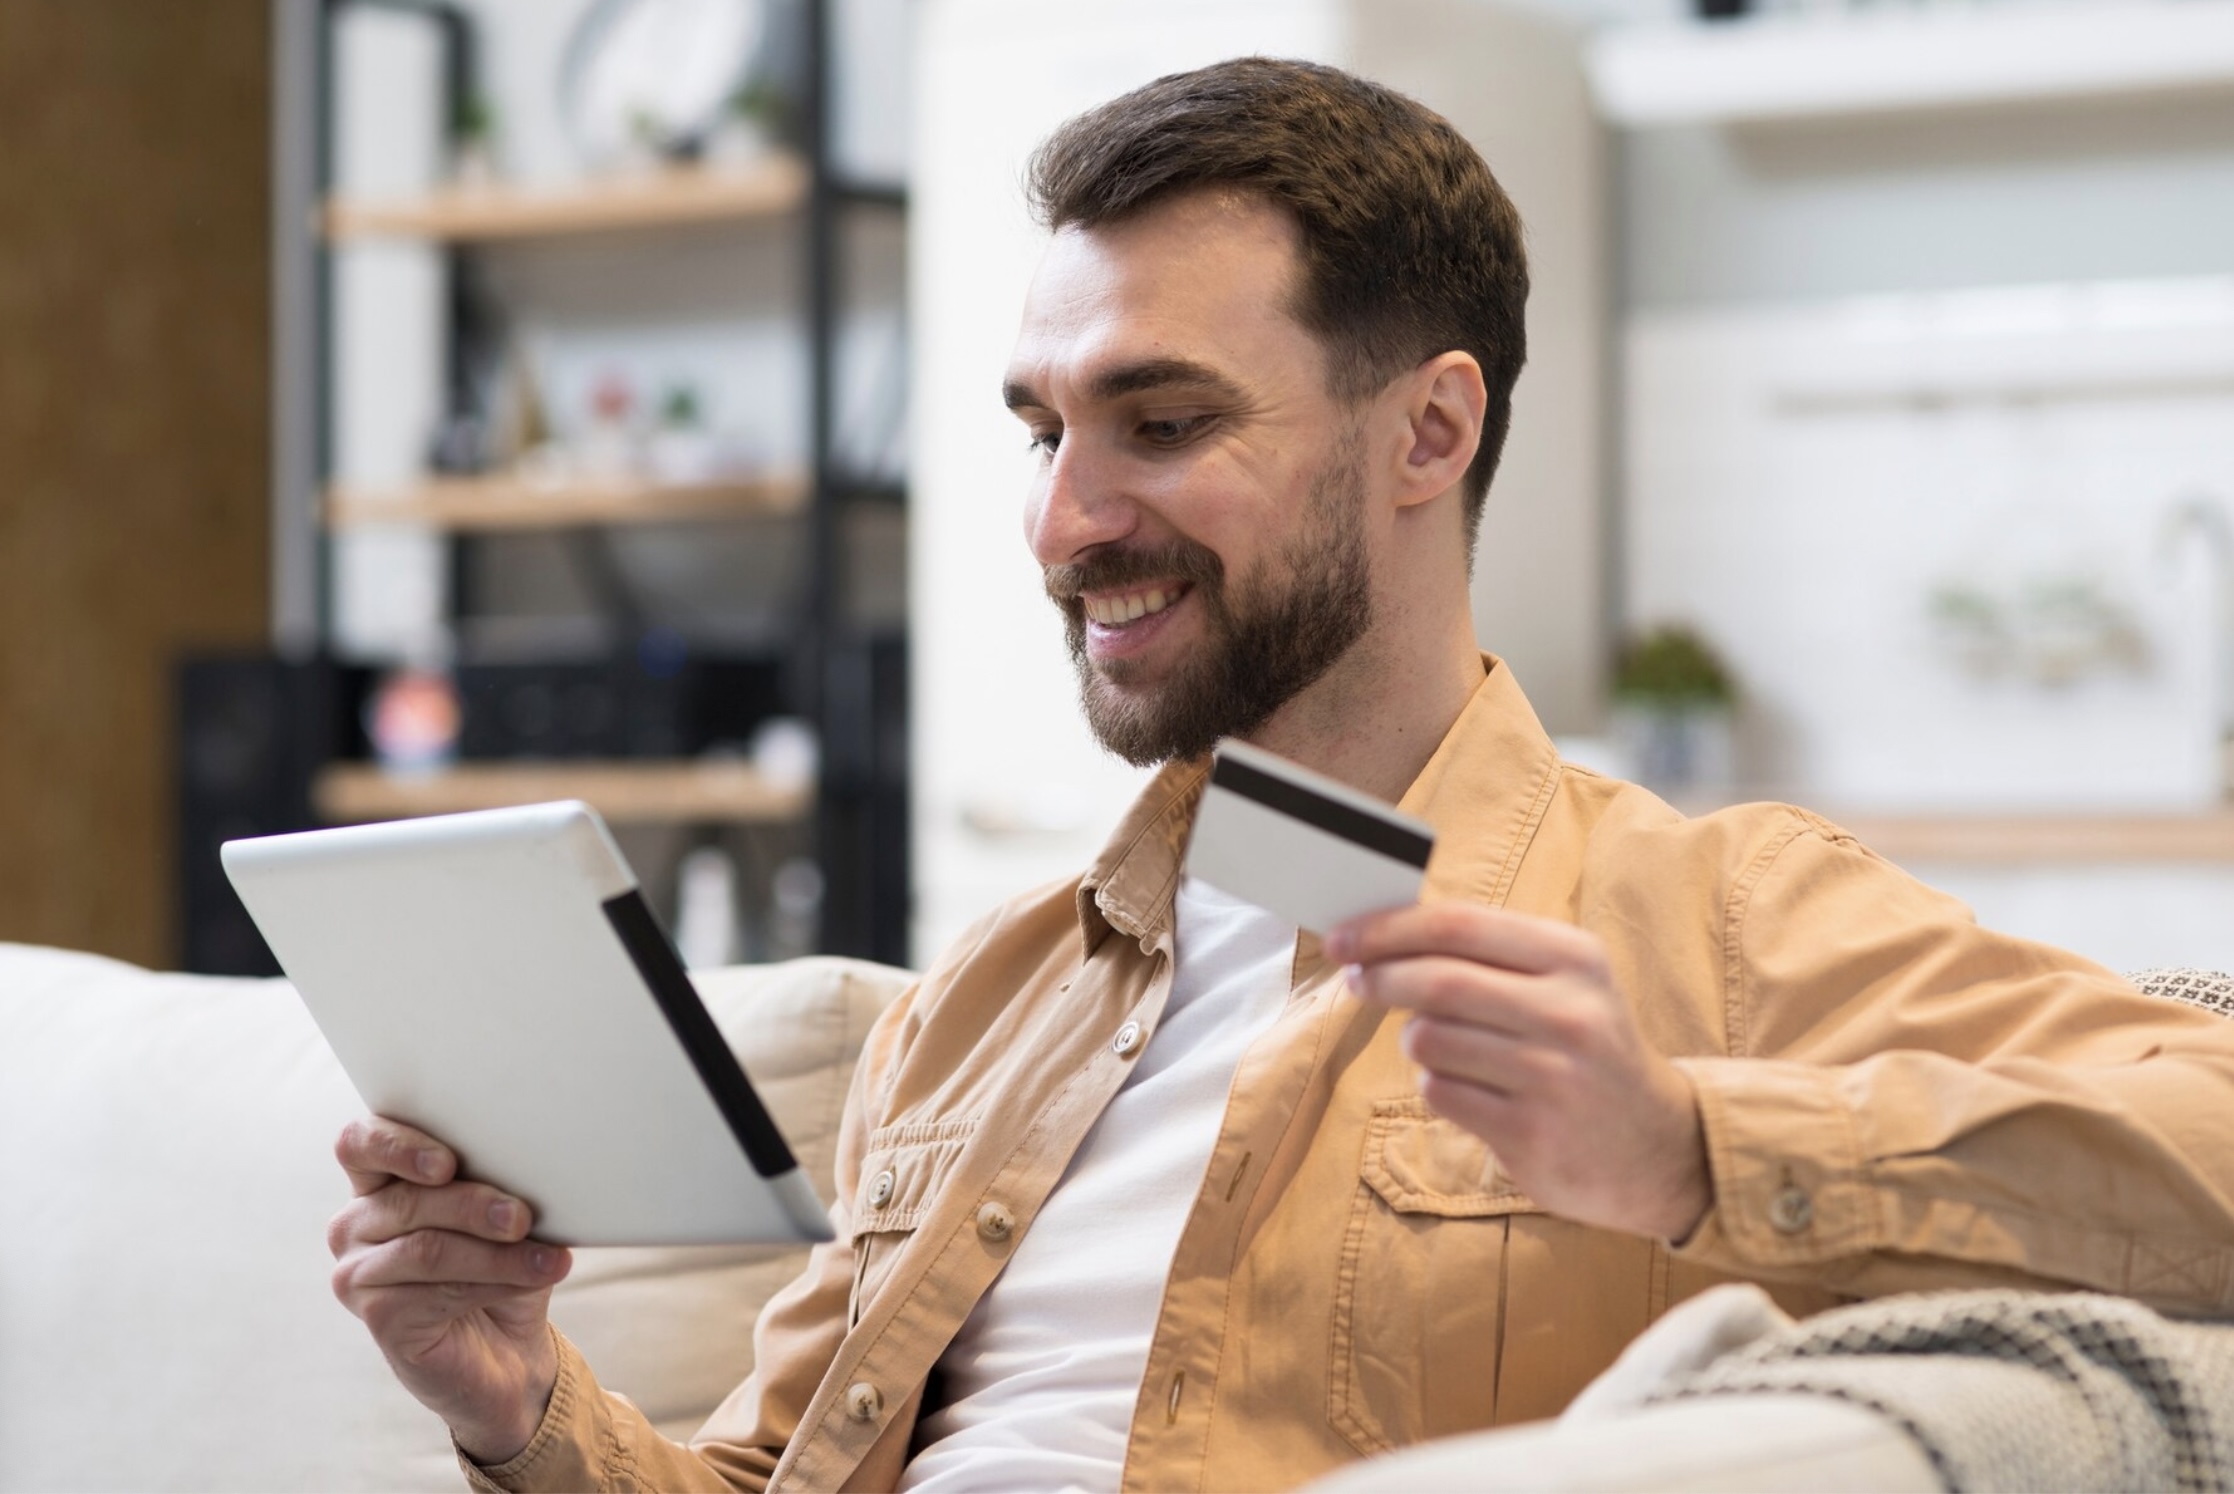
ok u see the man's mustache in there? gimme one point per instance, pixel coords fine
(1114, 569)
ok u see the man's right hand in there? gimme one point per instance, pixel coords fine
(454, 1292)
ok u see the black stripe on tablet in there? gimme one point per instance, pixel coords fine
(662, 970)
(1399, 842)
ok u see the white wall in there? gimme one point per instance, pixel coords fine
(1509, 79)
(1804, 479)
(389, 590)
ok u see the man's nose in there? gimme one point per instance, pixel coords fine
(1078, 502)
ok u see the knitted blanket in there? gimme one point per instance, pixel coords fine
(2014, 1390)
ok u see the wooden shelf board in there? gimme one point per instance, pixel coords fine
(2027, 840)
(2038, 839)
(1774, 68)
(640, 793)
(512, 503)
(667, 199)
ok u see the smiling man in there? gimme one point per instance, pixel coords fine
(1140, 1188)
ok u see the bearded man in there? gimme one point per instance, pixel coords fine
(1139, 1187)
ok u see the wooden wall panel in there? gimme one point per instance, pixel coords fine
(134, 329)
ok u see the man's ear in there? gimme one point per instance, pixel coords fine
(1445, 402)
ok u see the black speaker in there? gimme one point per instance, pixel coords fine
(252, 732)
(631, 707)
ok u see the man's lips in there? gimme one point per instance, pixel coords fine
(1111, 609)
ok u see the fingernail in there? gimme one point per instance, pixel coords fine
(1355, 975)
(430, 1163)
(1340, 944)
(504, 1216)
(542, 1260)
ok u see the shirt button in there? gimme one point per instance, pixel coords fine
(995, 1222)
(1127, 1041)
(1791, 1211)
(864, 1401)
(880, 1191)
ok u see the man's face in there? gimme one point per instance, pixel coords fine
(1199, 505)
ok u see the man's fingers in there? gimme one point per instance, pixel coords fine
(438, 1257)
(408, 1321)
(1490, 936)
(1482, 1111)
(376, 1151)
(1528, 1008)
(1479, 1057)
(400, 1208)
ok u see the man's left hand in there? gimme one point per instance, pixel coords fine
(1523, 1039)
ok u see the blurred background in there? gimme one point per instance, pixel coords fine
(409, 406)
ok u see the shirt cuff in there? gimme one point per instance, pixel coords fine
(1790, 1183)
(564, 1452)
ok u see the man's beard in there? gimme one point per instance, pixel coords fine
(1282, 628)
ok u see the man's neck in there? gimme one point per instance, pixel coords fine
(1375, 720)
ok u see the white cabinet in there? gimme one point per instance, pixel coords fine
(1009, 788)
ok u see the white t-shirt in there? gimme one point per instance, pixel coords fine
(1041, 1380)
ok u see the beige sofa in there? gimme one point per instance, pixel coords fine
(166, 1322)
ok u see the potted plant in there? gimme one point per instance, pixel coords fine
(473, 143)
(1673, 709)
(755, 121)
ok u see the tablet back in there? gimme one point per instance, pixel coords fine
(497, 980)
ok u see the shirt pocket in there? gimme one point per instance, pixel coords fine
(1417, 1304)
(903, 1175)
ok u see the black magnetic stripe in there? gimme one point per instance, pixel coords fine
(1400, 842)
(662, 969)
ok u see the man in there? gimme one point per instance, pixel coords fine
(1136, 1185)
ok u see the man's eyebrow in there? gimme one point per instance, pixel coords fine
(1160, 373)
(1134, 378)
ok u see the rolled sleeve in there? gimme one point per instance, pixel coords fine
(574, 1446)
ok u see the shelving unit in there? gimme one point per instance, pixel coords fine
(1781, 69)
(846, 680)
(680, 197)
(488, 504)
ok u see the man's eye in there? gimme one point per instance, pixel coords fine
(1172, 432)
(1044, 444)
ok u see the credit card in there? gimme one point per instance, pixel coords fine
(1309, 850)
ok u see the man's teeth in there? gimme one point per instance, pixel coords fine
(1110, 611)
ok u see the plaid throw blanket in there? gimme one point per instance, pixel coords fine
(2014, 1390)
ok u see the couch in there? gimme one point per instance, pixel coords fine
(166, 1321)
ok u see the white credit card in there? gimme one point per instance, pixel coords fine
(1299, 845)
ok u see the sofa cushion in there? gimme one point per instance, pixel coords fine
(166, 1160)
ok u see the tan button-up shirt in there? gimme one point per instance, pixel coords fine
(1894, 1099)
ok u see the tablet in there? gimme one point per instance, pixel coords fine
(497, 980)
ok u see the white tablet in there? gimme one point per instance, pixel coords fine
(497, 980)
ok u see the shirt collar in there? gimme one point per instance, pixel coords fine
(1485, 790)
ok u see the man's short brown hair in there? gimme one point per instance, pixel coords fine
(1409, 246)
